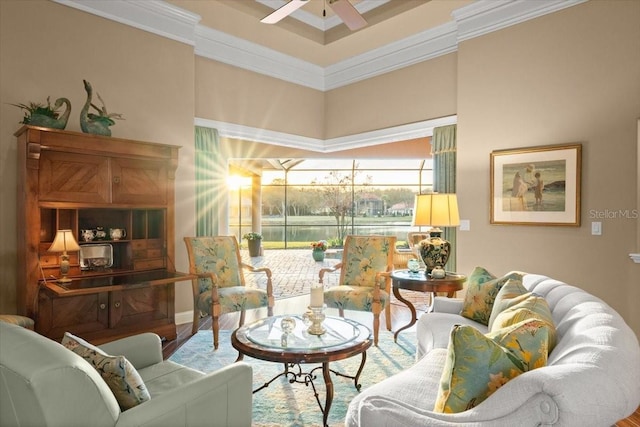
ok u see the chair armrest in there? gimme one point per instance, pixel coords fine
(322, 271)
(220, 398)
(447, 305)
(253, 269)
(267, 271)
(141, 350)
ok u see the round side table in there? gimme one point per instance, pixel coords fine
(404, 279)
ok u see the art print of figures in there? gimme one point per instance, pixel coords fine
(539, 186)
(536, 185)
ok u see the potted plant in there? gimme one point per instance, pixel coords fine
(37, 114)
(253, 242)
(318, 249)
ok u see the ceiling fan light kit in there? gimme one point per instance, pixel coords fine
(342, 8)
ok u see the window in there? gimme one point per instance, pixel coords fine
(330, 198)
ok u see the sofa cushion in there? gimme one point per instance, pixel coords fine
(477, 365)
(482, 288)
(120, 375)
(523, 307)
(509, 295)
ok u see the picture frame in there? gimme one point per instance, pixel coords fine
(536, 185)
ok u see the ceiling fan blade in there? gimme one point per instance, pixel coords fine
(349, 14)
(283, 12)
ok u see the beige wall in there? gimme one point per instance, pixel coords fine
(572, 76)
(233, 95)
(422, 91)
(48, 49)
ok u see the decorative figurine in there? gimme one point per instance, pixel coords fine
(37, 114)
(97, 124)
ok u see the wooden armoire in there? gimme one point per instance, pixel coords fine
(78, 181)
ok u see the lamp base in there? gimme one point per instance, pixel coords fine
(434, 251)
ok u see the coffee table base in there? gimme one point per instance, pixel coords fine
(297, 375)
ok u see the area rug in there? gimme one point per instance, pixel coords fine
(284, 404)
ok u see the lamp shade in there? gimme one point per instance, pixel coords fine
(436, 210)
(63, 242)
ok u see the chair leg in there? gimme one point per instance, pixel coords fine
(387, 315)
(216, 330)
(376, 328)
(196, 321)
(242, 316)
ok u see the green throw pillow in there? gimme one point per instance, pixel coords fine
(510, 294)
(122, 378)
(477, 365)
(524, 307)
(482, 288)
(527, 341)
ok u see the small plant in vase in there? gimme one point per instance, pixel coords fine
(37, 114)
(318, 249)
(253, 242)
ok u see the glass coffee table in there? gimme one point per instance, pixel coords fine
(266, 339)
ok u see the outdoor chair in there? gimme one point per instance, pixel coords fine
(365, 278)
(220, 284)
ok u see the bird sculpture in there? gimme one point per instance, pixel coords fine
(97, 124)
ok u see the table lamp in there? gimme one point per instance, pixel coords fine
(64, 242)
(435, 210)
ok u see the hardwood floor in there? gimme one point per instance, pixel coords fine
(400, 315)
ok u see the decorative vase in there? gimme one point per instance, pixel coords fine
(434, 251)
(254, 247)
(318, 255)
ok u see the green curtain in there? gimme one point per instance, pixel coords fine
(209, 177)
(443, 145)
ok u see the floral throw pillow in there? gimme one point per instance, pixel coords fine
(482, 289)
(527, 306)
(511, 293)
(477, 365)
(122, 378)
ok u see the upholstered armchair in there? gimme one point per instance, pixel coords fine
(220, 284)
(365, 278)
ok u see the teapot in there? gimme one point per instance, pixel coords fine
(87, 235)
(117, 233)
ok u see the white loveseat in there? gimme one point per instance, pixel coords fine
(44, 384)
(592, 376)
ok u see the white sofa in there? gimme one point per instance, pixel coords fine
(592, 376)
(44, 384)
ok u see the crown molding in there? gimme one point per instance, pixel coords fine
(155, 16)
(219, 46)
(485, 16)
(367, 139)
(420, 47)
(166, 20)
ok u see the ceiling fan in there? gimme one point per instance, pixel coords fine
(345, 10)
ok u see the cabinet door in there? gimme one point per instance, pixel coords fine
(139, 181)
(83, 315)
(72, 177)
(142, 307)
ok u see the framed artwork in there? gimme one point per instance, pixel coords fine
(536, 185)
